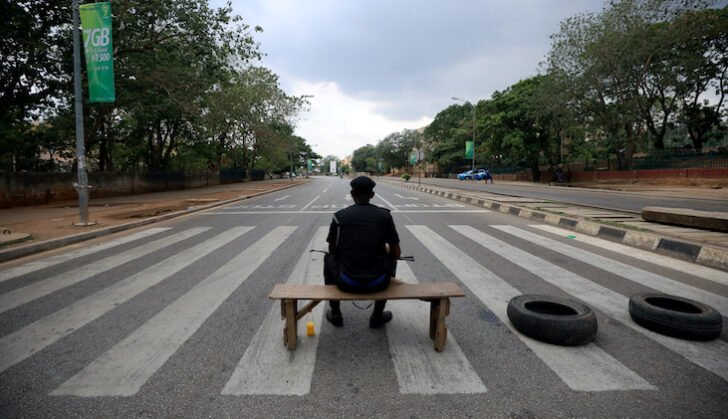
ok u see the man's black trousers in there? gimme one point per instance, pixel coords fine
(332, 277)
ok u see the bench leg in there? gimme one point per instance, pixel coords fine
(434, 307)
(291, 327)
(443, 309)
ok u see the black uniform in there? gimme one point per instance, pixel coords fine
(361, 263)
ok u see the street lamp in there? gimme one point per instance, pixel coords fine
(463, 100)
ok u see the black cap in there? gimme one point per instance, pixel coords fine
(362, 183)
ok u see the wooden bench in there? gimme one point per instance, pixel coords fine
(438, 294)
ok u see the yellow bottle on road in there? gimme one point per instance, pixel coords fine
(310, 330)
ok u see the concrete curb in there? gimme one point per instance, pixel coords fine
(18, 252)
(709, 220)
(715, 257)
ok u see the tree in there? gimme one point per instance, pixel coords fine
(513, 128)
(703, 74)
(447, 134)
(394, 150)
(248, 114)
(188, 93)
(172, 55)
(625, 67)
(33, 75)
(364, 159)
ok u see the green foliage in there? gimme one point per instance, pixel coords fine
(33, 76)
(364, 159)
(406, 177)
(447, 134)
(189, 92)
(630, 73)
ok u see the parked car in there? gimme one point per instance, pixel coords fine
(465, 175)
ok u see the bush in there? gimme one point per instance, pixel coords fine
(406, 177)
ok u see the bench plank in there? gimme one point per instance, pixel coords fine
(395, 291)
(438, 294)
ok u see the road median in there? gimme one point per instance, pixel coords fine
(684, 247)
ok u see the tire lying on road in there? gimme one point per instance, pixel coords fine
(675, 316)
(554, 320)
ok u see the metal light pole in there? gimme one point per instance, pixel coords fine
(82, 185)
(463, 100)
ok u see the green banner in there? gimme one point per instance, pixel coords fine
(309, 165)
(468, 149)
(96, 25)
(413, 158)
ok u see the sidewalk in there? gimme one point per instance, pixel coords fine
(32, 229)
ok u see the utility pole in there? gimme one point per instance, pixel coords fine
(82, 185)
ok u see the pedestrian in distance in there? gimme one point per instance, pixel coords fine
(363, 252)
(488, 176)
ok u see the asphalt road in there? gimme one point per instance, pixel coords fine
(173, 320)
(614, 200)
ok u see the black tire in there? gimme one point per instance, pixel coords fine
(675, 316)
(554, 320)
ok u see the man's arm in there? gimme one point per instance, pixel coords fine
(394, 251)
(333, 236)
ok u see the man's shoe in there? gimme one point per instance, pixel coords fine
(335, 318)
(379, 321)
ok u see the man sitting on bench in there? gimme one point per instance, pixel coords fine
(358, 260)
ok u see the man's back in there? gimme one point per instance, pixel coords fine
(358, 260)
(360, 233)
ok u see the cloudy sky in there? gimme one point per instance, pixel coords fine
(380, 66)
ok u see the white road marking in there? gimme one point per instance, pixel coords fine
(123, 369)
(704, 272)
(429, 205)
(332, 206)
(442, 211)
(406, 197)
(419, 369)
(712, 355)
(584, 368)
(640, 276)
(312, 201)
(268, 367)
(387, 202)
(73, 254)
(39, 289)
(25, 342)
(282, 198)
(399, 211)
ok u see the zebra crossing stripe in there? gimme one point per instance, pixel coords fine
(64, 257)
(267, 367)
(701, 271)
(419, 369)
(640, 276)
(123, 369)
(25, 342)
(712, 355)
(585, 368)
(36, 290)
